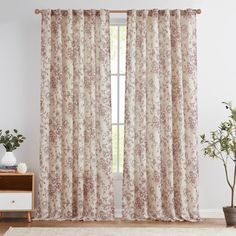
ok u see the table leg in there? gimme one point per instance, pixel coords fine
(29, 216)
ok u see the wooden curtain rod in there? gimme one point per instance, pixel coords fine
(198, 11)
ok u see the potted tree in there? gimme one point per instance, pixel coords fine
(10, 141)
(222, 145)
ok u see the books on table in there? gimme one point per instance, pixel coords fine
(8, 169)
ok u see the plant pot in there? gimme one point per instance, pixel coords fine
(230, 216)
(8, 159)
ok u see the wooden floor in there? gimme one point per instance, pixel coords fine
(10, 222)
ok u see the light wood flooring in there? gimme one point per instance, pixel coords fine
(5, 223)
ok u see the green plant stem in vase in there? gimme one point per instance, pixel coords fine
(222, 145)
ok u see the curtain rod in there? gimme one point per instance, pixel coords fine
(198, 11)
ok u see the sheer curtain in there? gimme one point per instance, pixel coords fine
(75, 150)
(160, 178)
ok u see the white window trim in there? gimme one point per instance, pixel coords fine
(117, 176)
(118, 22)
(118, 19)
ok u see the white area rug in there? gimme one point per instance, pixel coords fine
(145, 231)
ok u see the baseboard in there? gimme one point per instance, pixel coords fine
(211, 213)
(204, 213)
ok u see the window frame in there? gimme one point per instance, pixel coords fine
(118, 23)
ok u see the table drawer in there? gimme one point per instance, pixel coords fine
(15, 201)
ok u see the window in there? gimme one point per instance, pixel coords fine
(118, 48)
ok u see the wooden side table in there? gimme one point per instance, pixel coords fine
(17, 193)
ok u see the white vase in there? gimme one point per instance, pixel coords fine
(8, 159)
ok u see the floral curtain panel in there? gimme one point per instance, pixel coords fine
(75, 149)
(160, 163)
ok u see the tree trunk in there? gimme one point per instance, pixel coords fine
(233, 187)
(232, 197)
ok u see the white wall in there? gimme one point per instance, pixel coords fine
(20, 74)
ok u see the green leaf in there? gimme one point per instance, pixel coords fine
(228, 105)
(202, 136)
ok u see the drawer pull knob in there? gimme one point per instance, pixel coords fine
(12, 201)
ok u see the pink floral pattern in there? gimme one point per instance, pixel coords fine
(75, 150)
(160, 164)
